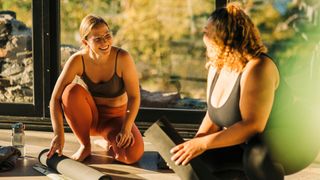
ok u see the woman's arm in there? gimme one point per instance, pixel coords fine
(131, 81)
(207, 127)
(70, 70)
(258, 85)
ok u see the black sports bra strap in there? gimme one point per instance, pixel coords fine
(83, 65)
(115, 64)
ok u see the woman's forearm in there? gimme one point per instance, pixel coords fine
(132, 111)
(56, 117)
(235, 134)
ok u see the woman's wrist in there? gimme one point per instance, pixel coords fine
(126, 126)
(203, 142)
(129, 121)
(58, 132)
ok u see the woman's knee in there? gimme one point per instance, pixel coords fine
(133, 155)
(73, 92)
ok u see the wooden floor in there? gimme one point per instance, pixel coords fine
(36, 141)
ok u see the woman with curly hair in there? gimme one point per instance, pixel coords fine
(241, 84)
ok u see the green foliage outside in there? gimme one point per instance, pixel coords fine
(21, 7)
(165, 37)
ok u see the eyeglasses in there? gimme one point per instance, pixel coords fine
(102, 39)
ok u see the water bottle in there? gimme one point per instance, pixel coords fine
(18, 137)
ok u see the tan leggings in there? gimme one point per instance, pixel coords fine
(86, 118)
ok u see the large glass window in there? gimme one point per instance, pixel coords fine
(163, 36)
(165, 39)
(16, 61)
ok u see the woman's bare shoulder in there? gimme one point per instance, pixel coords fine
(122, 53)
(124, 57)
(260, 63)
(77, 56)
(74, 62)
(261, 68)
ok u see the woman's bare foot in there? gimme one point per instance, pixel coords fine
(82, 153)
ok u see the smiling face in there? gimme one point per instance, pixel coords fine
(99, 40)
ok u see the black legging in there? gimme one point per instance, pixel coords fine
(252, 158)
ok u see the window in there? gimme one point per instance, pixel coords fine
(16, 58)
(164, 38)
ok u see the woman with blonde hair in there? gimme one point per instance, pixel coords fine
(241, 86)
(109, 104)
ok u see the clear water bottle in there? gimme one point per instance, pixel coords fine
(18, 137)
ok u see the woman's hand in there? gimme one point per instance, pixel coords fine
(124, 139)
(186, 151)
(57, 144)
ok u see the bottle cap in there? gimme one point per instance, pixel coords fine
(18, 127)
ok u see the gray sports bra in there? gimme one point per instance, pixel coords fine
(229, 112)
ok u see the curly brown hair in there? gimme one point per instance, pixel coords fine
(235, 38)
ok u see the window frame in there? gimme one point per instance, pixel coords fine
(34, 108)
(46, 56)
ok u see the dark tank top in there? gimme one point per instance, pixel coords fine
(108, 89)
(229, 113)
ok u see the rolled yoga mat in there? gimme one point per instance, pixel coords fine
(164, 137)
(70, 168)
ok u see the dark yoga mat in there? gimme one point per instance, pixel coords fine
(70, 168)
(164, 137)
